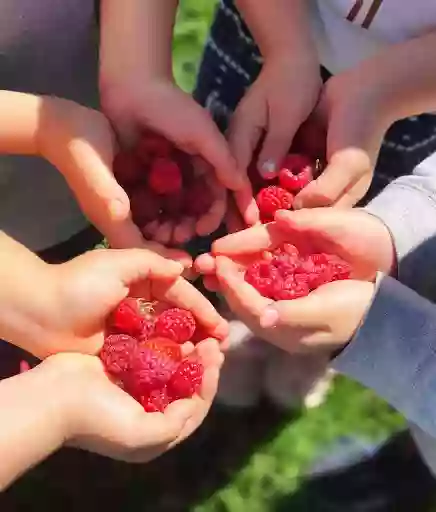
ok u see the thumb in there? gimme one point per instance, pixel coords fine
(133, 265)
(345, 169)
(328, 221)
(91, 179)
(278, 140)
(294, 314)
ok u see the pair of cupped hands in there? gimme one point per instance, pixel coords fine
(78, 295)
(339, 120)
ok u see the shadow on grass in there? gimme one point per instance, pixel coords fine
(77, 481)
(394, 480)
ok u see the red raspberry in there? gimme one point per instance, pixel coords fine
(127, 317)
(296, 173)
(198, 199)
(165, 177)
(151, 146)
(149, 370)
(263, 276)
(271, 199)
(165, 346)
(127, 168)
(291, 288)
(186, 380)
(116, 353)
(156, 401)
(176, 324)
(145, 206)
(341, 269)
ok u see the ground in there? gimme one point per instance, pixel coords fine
(236, 462)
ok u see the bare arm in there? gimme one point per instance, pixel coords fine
(279, 25)
(402, 77)
(33, 427)
(136, 34)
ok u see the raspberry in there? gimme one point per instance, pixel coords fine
(341, 269)
(127, 317)
(149, 370)
(156, 401)
(126, 168)
(285, 274)
(186, 380)
(271, 199)
(165, 177)
(198, 199)
(116, 353)
(145, 206)
(165, 346)
(296, 173)
(151, 146)
(176, 324)
(291, 288)
(263, 276)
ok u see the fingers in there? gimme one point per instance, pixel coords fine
(209, 354)
(212, 219)
(246, 204)
(212, 145)
(184, 295)
(245, 130)
(242, 298)
(262, 237)
(345, 169)
(133, 265)
(278, 140)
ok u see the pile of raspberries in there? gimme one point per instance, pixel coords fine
(142, 353)
(287, 274)
(160, 182)
(296, 172)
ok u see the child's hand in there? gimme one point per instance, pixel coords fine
(349, 120)
(80, 143)
(278, 102)
(327, 316)
(88, 411)
(159, 105)
(65, 307)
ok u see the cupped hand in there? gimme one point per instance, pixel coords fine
(79, 296)
(348, 123)
(273, 109)
(100, 417)
(162, 107)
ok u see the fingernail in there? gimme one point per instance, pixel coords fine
(268, 169)
(269, 318)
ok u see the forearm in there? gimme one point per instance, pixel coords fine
(279, 26)
(32, 422)
(136, 35)
(394, 352)
(408, 208)
(25, 294)
(20, 117)
(402, 77)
